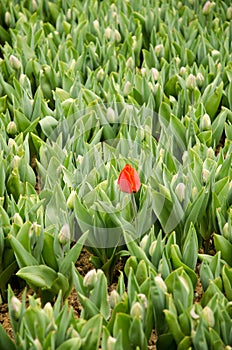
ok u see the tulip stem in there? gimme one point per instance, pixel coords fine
(134, 206)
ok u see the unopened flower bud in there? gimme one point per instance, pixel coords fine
(143, 300)
(90, 279)
(100, 74)
(191, 82)
(160, 283)
(210, 153)
(96, 25)
(180, 191)
(70, 200)
(152, 248)
(155, 73)
(226, 230)
(14, 62)
(117, 35)
(15, 162)
(11, 128)
(8, 18)
(205, 175)
(130, 63)
(114, 298)
(215, 54)
(183, 70)
(16, 307)
(217, 172)
(17, 219)
(205, 123)
(37, 344)
(137, 310)
(207, 7)
(64, 234)
(194, 192)
(229, 13)
(143, 242)
(200, 79)
(143, 71)
(108, 33)
(159, 50)
(208, 316)
(111, 342)
(49, 311)
(110, 115)
(79, 158)
(127, 88)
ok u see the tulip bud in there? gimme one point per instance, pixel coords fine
(70, 200)
(17, 219)
(64, 234)
(96, 25)
(226, 230)
(37, 344)
(15, 161)
(11, 128)
(160, 283)
(143, 71)
(90, 279)
(110, 115)
(229, 13)
(117, 35)
(205, 175)
(207, 7)
(143, 300)
(191, 82)
(155, 73)
(79, 158)
(217, 172)
(111, 342)
(108, 33)
(159, 50)
(137, 310)
(200, 79)
(130, 63)
(100, 74)
(127, 88)
(210, 153)
(49, 311)
(114, 298)
(208, 316)
(143, 242)
(180, 191)
(14, 62)
(8, 18)
(194, 192)
(205, 122)
(34, 5)
(152, 248)
(215, 54)
(16, 307)
(183, 70)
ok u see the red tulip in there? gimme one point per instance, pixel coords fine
(129, 180)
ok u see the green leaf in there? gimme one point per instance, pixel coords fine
(23, 257)
(223, 245)
(70, 344)
(5, 340)
(48, 124)
(40, 276)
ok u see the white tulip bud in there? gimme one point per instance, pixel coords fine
(130, 63)
(64, 234)
(226, 230)
(117, 36)
(229, 13)
(110, 115)
(114, 298)
(159, 49)
(191, 82)
(137, 310)
(183, 70)
(16, 307)
(108, 33)
(7, 18)
(180, 191)
(79, 158)
(127, 88)
(208, 316)
(205, 175)
(14, 62)
(90, 279)
(194, 192)
(155, 73)
(96, 25)
(111, 342)
(17, 219)
(160, 283)
(207, 7)
(200, 79)
(49, 311)
(205, 123)
(70, 200)
(210, 153)
(11, 128)
(100, 74)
